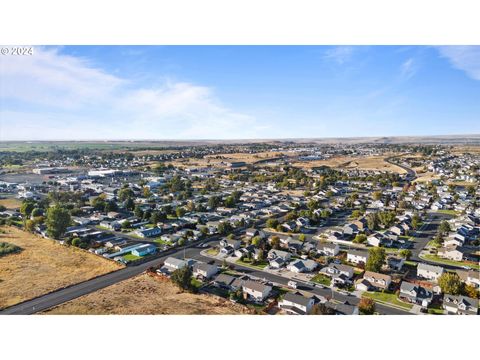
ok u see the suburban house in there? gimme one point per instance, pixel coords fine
(452, 253)
(395, 263)
(224, 281)
(430, 272)
(235, 244)
(171, 264)
(460, 305)
(145, 249)
(146, 233)
(204, 271)
(340, 274)
(377, 280)
(357, 257)
(256, 290)
(470, 277)
(274, 254)
(344, 308)
(328, 249)
(415, 294)
(278, 258)
(296, 304)
(301, 265)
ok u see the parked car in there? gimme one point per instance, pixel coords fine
(292, 284)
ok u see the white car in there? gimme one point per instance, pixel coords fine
(292, 284)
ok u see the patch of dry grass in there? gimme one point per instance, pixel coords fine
(43, 266)
(147, 294)
(11, 203)
(372, 163)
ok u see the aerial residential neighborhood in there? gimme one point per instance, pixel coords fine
(274, 227)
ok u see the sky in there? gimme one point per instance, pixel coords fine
(238, 92)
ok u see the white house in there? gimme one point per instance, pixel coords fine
(256, 290)
(429, 272)
(329, 249)
(357, 257)
(460, 305)
(204, 271)
(296, 304)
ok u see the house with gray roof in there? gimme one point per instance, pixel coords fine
(430, 272)
(296, 304)
(415, 294)
(460, 305)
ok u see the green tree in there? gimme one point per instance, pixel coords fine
(444, 227)
(275, 242)
(405, 253)
(37, 212)
(27, 207)
(180, 211)
(257, 241)
(360, 239)
(272, 223)
(356, 214)
(450, 283)
(129, 204)
(214, 201)
(138, 212)
(377, 195)
(372, 221)
(229, 202)
(224, 228)
(58, 219)
(76, 242)
(415, 221)
(125, 194)
(376, 258)
(182, 277)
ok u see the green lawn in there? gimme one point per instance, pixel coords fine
(196, 283)
(212, 251)
(131, 257)
(448, 212)
(387, 298)
(322, 279)
(439, 260)
(259, 264)
(436, 310)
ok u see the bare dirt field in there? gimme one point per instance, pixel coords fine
(373, 163)
(222, 160)
(148, 294)
(10, 203)
(43, 266)
(472, 149)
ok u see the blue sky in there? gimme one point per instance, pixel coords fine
(239, 92)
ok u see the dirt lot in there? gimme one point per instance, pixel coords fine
(43, 266)
(10, 203)
(221, 160)
(373, 163)
(148, 295)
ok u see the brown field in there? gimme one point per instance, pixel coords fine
(44, 266)
(466, 149)
(373, 163)
(220, 160)
(10, 203)
(148, 295)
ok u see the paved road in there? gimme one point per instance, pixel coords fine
(194, 253)
(66, 294)
(411, 174)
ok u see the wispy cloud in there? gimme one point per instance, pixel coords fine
(339, 54)
(408, 68)
(465, 58)
(51, 86)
